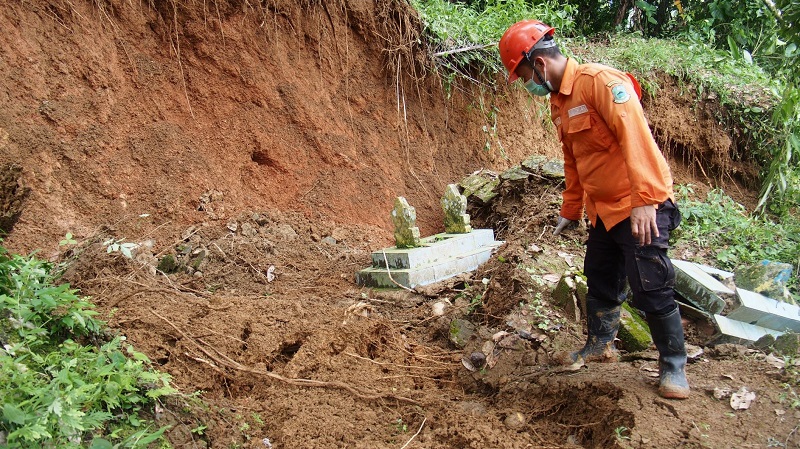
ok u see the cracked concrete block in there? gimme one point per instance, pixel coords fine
(754, 308)
(700, 288)
(738, 332)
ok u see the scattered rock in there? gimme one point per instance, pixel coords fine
(633, 330)
(787, 344)
(742, 399)
(478, 359)
(438, 308)
(472, 408)
(727, 351)
(515, 421)
(167, 264)
(461, 332)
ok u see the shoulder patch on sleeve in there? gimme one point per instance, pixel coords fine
(621, 95)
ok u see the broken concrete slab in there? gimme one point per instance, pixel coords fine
(754, 308)
(534, 162)
(699, 288)
(487, 191)
(726, 277)
(738, 332)
(515, 173)
(553, 169)
(475, 181)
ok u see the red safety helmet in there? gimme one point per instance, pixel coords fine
(519, 39)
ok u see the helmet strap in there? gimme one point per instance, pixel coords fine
(538, 74)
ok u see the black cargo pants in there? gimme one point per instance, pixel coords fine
(612, 256)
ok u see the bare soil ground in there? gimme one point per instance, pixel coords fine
(262, 147)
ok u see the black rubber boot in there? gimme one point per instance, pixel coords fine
(602, 321)
(667, 332)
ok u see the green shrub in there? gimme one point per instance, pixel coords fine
(56, 392)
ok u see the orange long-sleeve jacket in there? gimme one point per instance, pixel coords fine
(611, 161)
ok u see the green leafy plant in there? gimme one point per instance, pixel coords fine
(60, 393)
(400, 426)
(620, 433)
(67, 240)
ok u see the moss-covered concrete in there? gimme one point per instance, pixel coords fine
(634, 333)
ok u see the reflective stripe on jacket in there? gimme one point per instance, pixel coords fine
(611, 161)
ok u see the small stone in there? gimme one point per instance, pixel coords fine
(472, 408)
(260, 219)
(167, 264)
(438, 308)
(232, 226)
(461, 331)
(478, 359)
(515, 421)
(248, 230)
(329, 240)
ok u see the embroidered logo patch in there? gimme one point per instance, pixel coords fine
(557, 121)
(620, 94)
(577, 110)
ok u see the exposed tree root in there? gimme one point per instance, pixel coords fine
(225, 361)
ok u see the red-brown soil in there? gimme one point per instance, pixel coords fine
(239, 137)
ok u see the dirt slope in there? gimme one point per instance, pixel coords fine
(115, 109)
(238, 137)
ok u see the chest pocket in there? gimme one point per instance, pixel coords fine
(588, 134)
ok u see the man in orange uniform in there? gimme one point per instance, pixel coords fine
(614, 168)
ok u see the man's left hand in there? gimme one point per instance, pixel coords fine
(643, 224)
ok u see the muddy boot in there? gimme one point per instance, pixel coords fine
(667, 332)
(602, 321)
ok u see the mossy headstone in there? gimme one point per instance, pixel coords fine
(456, 219)
(404, 217)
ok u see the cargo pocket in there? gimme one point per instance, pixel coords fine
(654, 268)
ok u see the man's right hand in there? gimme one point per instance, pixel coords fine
(562, 223)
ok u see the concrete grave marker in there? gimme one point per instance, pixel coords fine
(404, 217)
(456, 219)
(416, 261)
